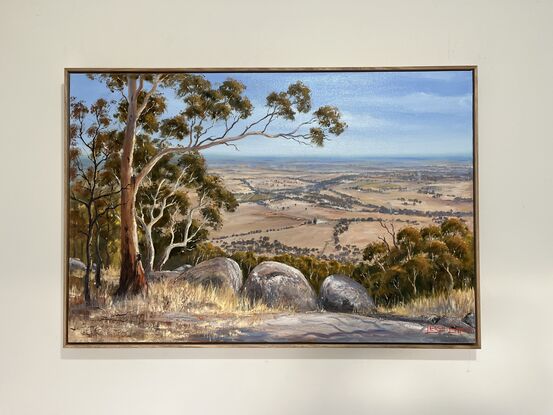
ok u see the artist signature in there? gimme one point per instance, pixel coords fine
(437, 329)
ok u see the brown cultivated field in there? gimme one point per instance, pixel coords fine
(250, 217)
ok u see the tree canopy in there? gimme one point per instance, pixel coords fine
(420, 261)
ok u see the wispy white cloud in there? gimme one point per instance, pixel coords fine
(419, 103)
(365, 121)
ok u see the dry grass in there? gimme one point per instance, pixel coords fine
(457, 303)
(166, 296)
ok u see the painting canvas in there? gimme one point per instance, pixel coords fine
(271, 207)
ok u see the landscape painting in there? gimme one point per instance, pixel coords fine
(299, 207)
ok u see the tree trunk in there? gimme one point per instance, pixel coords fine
(414, 285)
(150, 250)
(98, 270)
(451, 283)
(86, 278)
(165, 257)
(132, 279)
(107, 262)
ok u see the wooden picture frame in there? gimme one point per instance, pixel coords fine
(82, 330)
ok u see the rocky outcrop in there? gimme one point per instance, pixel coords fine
(280, 285)
(342, 294)
(217, 272)
(76, 264)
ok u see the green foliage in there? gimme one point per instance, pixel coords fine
(148, 121)
(300, 96)
(247, 261)
(454, 226)
(420, 262)
(375, 251)
(281, 104)
(176, 127)
(315, 269)
(329, 117)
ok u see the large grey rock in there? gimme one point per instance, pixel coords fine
(217, 272)
(342, 294)
(280, 285)
(76, 264)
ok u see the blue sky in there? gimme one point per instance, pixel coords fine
(388, 113)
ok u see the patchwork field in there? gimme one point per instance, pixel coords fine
(333, 208)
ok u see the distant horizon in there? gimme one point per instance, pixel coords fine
(452, 156)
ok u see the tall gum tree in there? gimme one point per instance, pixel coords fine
(211, 115)
(91, 189)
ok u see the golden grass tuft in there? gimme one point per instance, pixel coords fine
(457, 303)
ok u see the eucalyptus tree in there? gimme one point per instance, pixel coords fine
(420, 262)
(181, 201)
(160, 195)
(92, 188)
(189, 222)
(210, 115)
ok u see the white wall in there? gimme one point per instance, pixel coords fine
(511, 43)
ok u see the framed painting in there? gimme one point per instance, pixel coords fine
(272, 207)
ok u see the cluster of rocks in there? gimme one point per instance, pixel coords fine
(279, 285)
